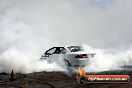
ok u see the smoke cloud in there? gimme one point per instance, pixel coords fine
(105, 60)
(30, 27)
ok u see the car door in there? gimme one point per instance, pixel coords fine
(57, 55)
(54, 54)
(49, 54)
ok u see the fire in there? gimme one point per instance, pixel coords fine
(81, 71)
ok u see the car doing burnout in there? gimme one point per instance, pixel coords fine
(68, 56)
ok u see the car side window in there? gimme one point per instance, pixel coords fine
(51, 51)
(63, 51)
(55, 50)
(58, 50)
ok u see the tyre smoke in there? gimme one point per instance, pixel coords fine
(104, 60)
(30, 27)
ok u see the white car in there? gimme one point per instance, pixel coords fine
(68, 56)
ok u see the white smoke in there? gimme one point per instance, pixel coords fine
(30, 27)
(104, 60)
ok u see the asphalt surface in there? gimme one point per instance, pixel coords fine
(56, 80)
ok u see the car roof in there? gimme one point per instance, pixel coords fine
(58, 47)
(73, 46)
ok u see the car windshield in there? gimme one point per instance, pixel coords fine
(75, 48)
